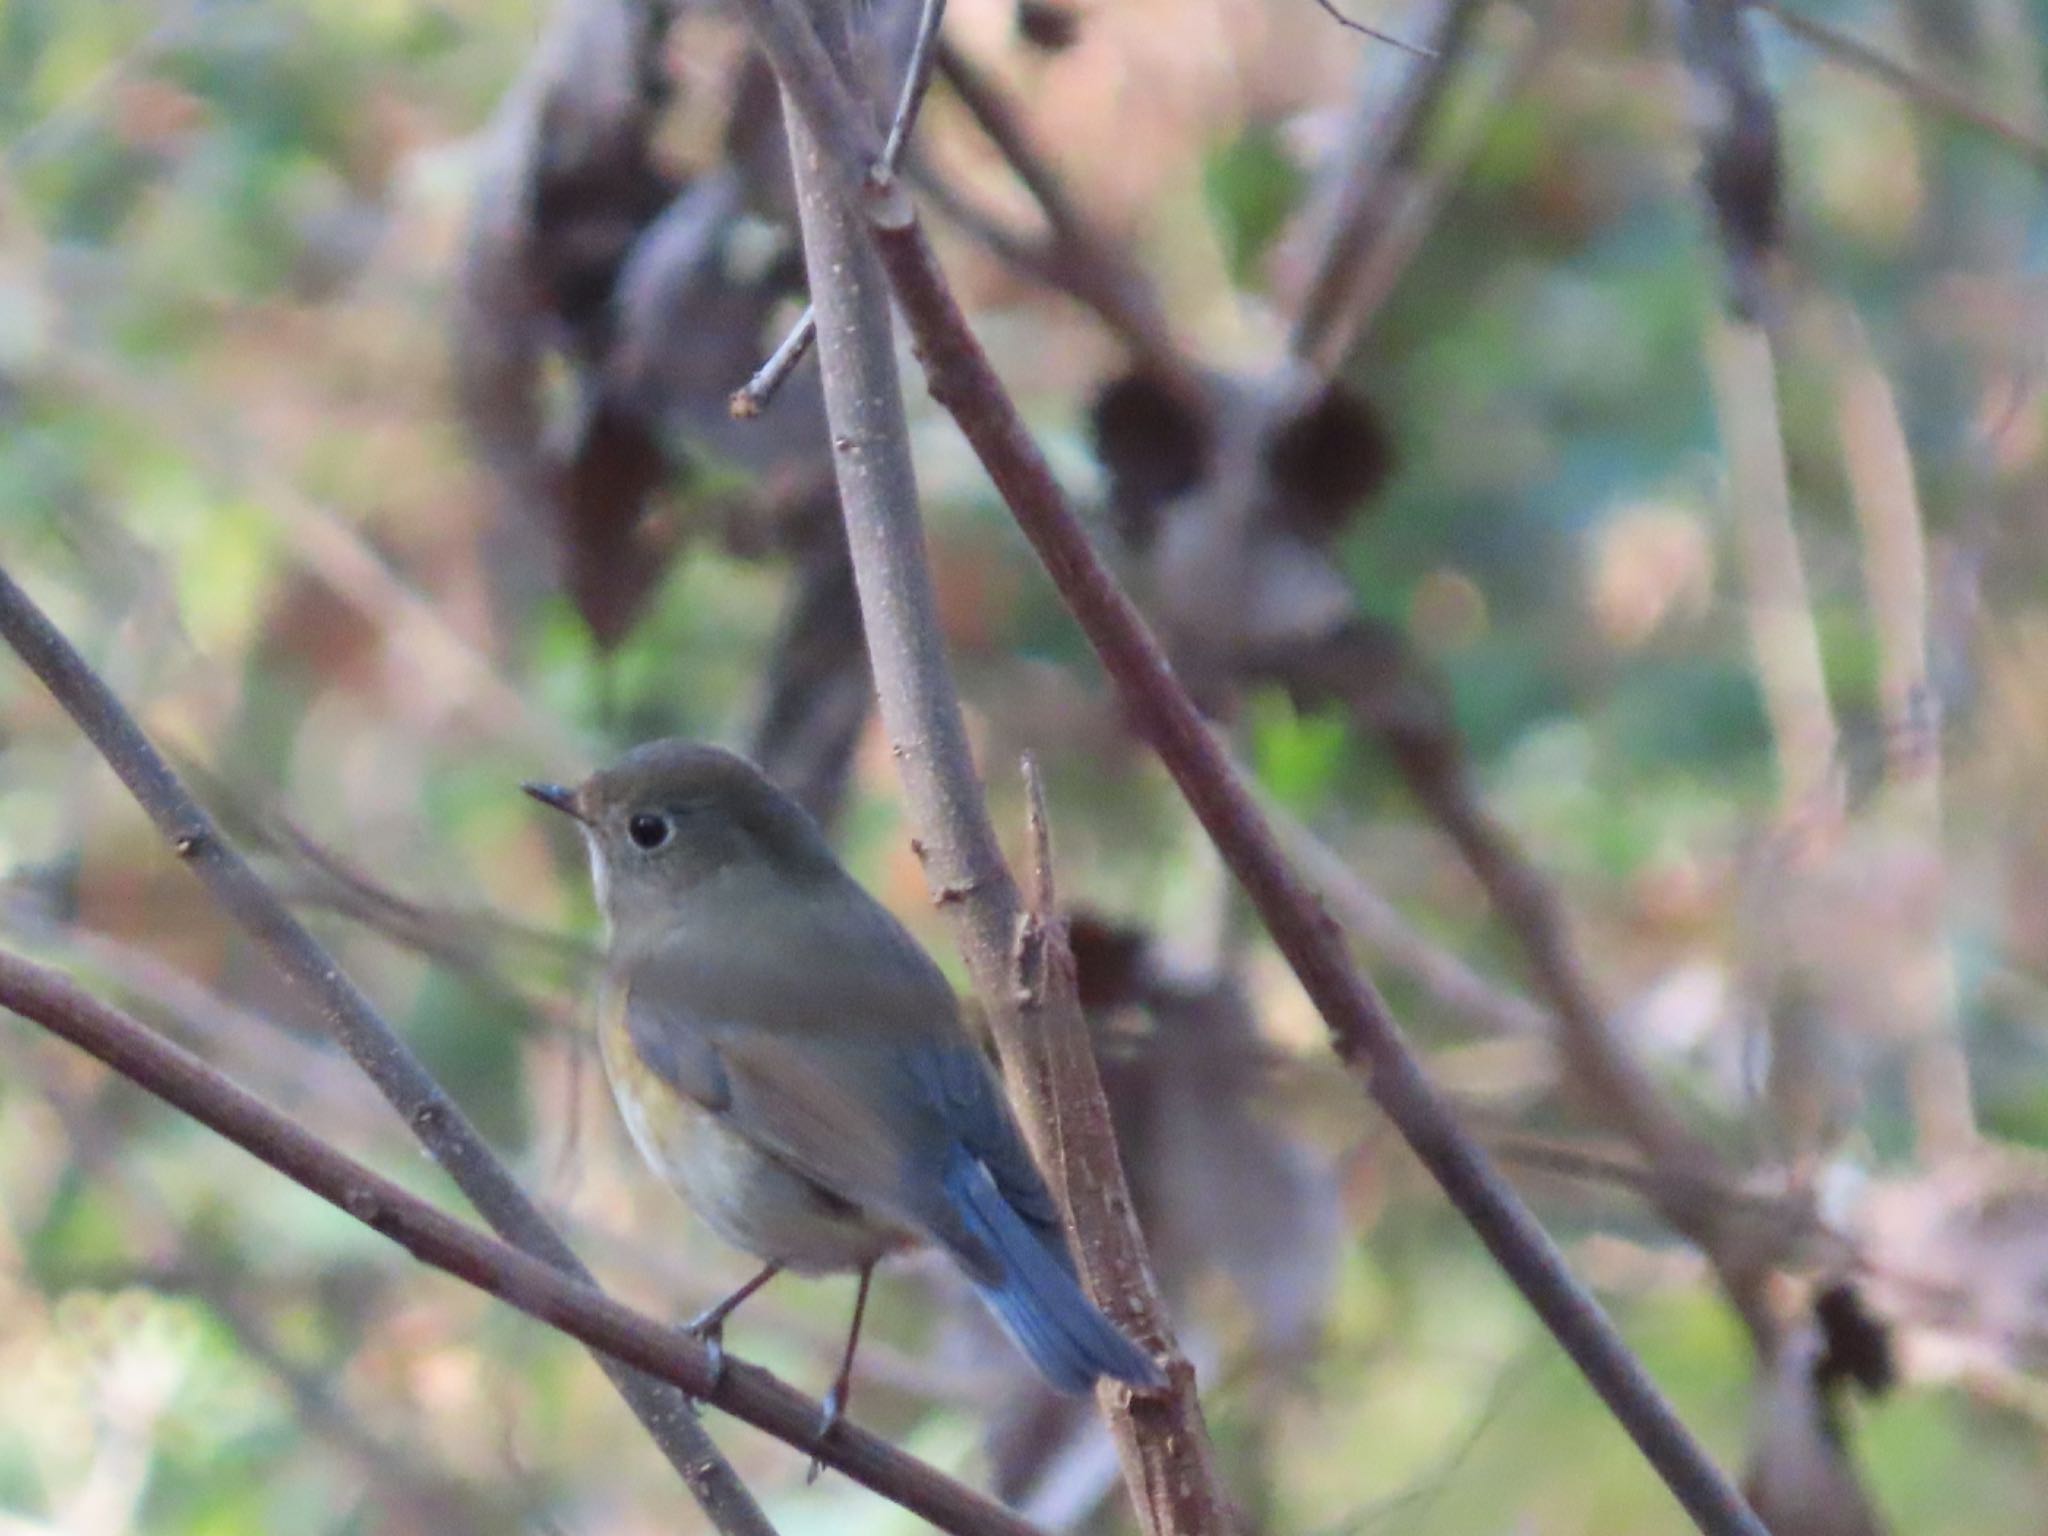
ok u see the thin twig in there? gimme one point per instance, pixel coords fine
(1378, 157)
(1172, 1476)
(352, 1020)
(751, 398)
(1362, 1031)
(1420, 195)
(917, 79)
(464, 940)
(1439, 973)
(295, 1065)
(540, 1290)
(1791, 1219)
(1081, 260)
(1605, 1075)
(1080, 1153)
(1935, 95)
(1033, 255)
(1329, 8)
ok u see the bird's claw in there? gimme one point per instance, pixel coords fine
(711, 1335)
(829, 1420)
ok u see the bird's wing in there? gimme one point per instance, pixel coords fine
(801, 1105)
(838, 1049)
(954, 1078)
(682, 1057)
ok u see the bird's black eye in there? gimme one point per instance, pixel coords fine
(648, 830)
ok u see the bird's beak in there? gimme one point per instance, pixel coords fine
(555, 797)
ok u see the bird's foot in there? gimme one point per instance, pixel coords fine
(829, 1420)
(708, 1329)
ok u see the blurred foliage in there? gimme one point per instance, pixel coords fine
(229, 458)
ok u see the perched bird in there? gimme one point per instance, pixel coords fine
(789, 1058)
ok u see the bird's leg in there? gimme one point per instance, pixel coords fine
(842, 1384)
(709, 1325)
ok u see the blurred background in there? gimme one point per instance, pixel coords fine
(1596, 474)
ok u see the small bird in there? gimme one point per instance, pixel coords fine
(794, 1063)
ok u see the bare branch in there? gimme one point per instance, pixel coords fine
(1362, 1031)
(917, 79)
(1419, 196)
(1461, 992)
(752, 397)
(1380, 153)
(1329, 8)
(1079, 259)
(1080, 1153)
(784, 31)
(1165, 1449)
(1790, 1220)
(1923, 90)
(350, 1017)
(749, 399)
(541, 1290)
(1598, 1066)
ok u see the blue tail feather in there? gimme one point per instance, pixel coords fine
(1037, 1298)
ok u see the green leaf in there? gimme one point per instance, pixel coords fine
(1251, 187)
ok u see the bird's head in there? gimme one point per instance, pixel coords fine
(670, 818)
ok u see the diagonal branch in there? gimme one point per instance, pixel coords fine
(1076, 258)
(1917, 87)
(1369, 191)
(752, 397)
(1363, 1032)
(1160, 1436)
(1329, 8)
(350, 1017)
(1419, 194)
(1376, 923)
(1614, 1085)
(543, 1291)
(1081, 1155)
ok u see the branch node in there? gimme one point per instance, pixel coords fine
(887, 205)
(363, 1204)
(958, 890)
